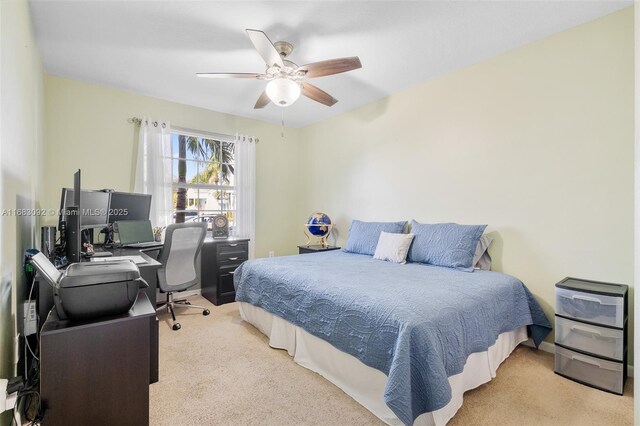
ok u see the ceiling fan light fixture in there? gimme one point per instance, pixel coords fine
(283, 91)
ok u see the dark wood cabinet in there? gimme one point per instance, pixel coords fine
(315, 249)
(96, 372)
(148, 271)
(219, 260)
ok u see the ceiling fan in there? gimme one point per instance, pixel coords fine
(286, 79)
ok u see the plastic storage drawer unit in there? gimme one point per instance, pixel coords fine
(595, 308)
(596, 372)
(591, 333)
(593, 339)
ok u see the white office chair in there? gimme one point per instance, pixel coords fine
(179, 258)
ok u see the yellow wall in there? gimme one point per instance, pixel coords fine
(21, 118)
(87, 129)
(537, 143)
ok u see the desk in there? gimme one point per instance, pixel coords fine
(44, 301)
(96, 372)
(148, 271)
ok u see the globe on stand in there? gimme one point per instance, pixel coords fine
(318, 226)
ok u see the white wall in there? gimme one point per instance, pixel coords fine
(87, 129)
(21, 118)
(537, 143)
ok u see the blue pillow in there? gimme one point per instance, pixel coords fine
(445, 244)
(364, 236)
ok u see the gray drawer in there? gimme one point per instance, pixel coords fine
(606, 375)
(596, 308)
(602, 341)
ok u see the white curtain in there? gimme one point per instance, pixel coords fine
(245, 175)
(153, 171)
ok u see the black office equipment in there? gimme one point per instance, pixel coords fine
(95, 207)
(91, 290)
(72, 215)
(48, 241)
(129, 206)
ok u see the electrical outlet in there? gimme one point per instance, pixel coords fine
(30, 318)
(7, 402)
(272, 253)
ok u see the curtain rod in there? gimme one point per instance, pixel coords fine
(217, 136)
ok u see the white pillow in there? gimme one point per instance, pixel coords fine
(393, 247)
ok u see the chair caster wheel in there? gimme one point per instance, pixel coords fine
(177, 326)
(206, 312)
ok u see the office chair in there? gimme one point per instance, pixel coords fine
(179, 258)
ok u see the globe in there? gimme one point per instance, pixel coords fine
(319, 224)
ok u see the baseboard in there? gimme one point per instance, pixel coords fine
(551, 348)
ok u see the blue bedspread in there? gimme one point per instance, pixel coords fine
(414, 322)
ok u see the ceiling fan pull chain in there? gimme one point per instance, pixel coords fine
(282, 129)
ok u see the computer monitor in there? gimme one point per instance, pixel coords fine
(94, 207)
(129, 206)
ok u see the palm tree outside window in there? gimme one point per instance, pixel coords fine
(202, 178)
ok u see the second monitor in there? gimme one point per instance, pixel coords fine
(129, 206)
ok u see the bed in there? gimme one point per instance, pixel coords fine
(405, 341)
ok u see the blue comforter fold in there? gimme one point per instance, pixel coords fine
(416, 323)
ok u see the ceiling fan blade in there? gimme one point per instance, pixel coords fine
(318, 95)
(265, 48)
(262, 101)
(331, 66)
(230, 75)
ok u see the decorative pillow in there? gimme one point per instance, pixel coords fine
(363, 236)
(393, 247)
(482, 258)
(445, 244)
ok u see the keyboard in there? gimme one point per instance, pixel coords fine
(147, 244)
(102, 253)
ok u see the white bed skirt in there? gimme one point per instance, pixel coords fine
(366, 384)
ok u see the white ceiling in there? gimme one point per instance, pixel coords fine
(156, 47)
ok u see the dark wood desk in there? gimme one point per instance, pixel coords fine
(96, 372)
(148, 271)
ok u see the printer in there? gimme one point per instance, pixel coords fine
(90, 290)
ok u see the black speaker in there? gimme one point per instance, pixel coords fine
(220, 226)
(73, 235)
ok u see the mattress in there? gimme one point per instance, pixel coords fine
(366, 385)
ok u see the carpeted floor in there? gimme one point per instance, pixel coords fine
(219, 370)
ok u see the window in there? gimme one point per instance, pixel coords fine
(202, 178)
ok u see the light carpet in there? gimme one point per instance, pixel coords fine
(219, 370)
